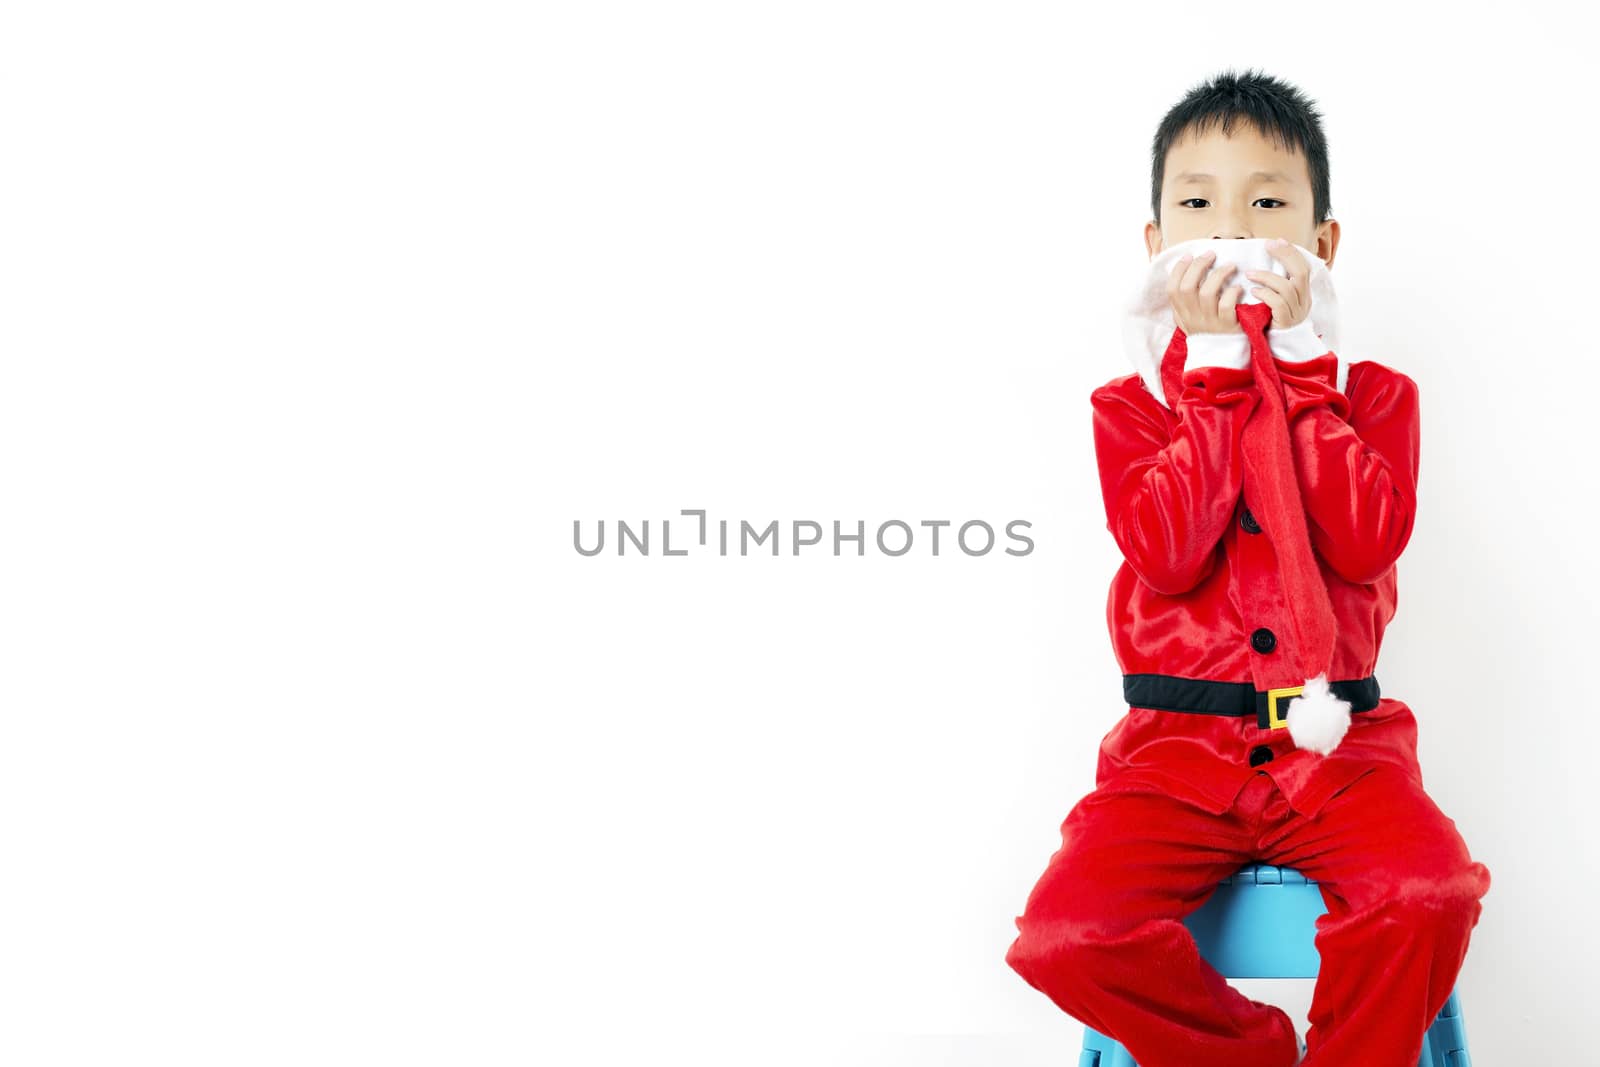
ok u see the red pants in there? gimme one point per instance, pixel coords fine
(1102, 933)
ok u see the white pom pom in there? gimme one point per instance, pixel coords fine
(1318, 719)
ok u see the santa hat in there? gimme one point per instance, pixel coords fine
(1317, 719)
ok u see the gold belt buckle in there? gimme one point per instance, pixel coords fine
(1275, 721)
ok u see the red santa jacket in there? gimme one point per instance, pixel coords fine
(1197, 580)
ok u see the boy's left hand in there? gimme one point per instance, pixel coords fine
(1289, 298)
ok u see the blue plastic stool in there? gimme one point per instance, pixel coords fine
(1259, 924)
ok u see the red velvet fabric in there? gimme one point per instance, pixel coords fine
(1269, 468)
(1102, 933)
(1194, 584)
(1177, 804)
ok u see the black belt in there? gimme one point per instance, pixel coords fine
(1196, 696)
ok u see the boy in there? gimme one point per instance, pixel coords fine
(1260, 490)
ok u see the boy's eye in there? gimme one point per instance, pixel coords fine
(1201, 200)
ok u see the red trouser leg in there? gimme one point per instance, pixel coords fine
(1403, 897)
(1102, 933)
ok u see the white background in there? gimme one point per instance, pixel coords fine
(324, 322)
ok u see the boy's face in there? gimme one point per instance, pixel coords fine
(1243, 185)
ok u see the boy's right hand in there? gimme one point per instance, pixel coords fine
(1203, 307)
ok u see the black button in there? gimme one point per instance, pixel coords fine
(1248, 521)
(1259, 755)
(1264, 640)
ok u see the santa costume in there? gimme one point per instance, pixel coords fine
(1260, 490)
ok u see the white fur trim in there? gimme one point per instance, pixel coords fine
(1318, 719)
(1218, 350)
(1148, 324)
(1296, 344)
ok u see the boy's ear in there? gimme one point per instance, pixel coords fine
(1327, 239)
(1152, 238)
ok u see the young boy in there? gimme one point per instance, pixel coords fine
(1260, 490)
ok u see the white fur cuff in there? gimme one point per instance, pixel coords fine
(1296, 344)
(1217, 350)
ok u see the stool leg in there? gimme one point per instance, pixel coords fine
(1100, 1050)
(1446, 1043)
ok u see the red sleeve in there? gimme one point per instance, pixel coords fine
(1170, 494)
(1356, 459)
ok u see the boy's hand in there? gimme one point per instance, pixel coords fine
(1203, 307)
(1290, 298)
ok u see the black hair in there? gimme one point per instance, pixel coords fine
(1279, 110)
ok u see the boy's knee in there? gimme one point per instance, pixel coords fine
(1455, 891)
(1043, 947)
(1061, 947)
